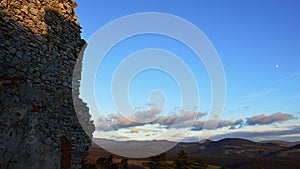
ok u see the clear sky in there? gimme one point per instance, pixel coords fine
(258, 43)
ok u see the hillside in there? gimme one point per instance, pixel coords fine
(234, 153)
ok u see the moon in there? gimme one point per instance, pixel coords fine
(277, 66)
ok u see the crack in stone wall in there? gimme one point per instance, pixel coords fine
(40, 45)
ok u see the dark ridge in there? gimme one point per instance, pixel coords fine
(234, 141)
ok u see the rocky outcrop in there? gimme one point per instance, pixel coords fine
(39, 96)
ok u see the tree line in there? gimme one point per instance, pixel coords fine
(106, 163)
(182, 161)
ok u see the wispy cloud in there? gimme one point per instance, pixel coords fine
(260, 94)
(294, 76)
(119, 137)
(268, 119)
(253, 96)
(137, 130)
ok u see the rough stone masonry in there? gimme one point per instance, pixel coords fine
(40, 45)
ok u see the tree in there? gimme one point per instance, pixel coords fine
(259, 166)
(199, 163)
(182, 160)
(123, 164)
(105, 163)
(163, 161)
(86, 165)
(159, 161)
(155, 162)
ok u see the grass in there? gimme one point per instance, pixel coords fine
(141, 162)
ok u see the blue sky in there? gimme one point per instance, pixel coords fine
(251, 38)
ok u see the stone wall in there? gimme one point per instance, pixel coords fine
(40, 45)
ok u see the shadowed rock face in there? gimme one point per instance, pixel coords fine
(40, 45)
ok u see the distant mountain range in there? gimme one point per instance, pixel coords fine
(233, 153)
(233, 147)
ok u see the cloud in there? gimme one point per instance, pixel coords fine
(150, 104)
(211, 124)
(146, 115)
(259, 94)
(180, 119)
(239, 123)
(102, 125)
(137, 130)
(119, 137)
(114, 122)
(190, 139)
(184, 118)
(294, 76)
(268, 119)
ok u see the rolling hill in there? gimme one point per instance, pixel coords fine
(234, 153)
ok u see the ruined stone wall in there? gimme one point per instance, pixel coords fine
(40, 44)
